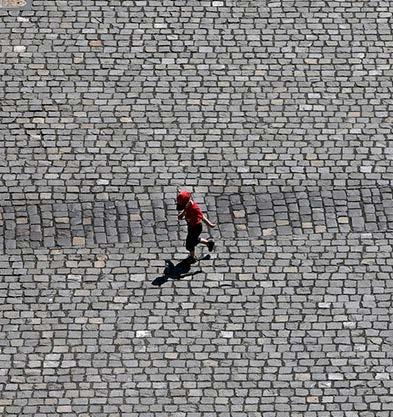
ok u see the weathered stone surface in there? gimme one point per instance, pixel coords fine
(277, 115)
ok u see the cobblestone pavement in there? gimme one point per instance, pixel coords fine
(278, 115)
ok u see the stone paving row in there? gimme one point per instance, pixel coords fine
(290, 326)
(240, 215)
(288, 212)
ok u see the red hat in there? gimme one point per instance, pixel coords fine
(182, 199)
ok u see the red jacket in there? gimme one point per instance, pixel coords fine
(193, 214)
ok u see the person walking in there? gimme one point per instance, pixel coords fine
(191, 212)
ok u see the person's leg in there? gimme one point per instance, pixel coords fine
(209, 243)
(193, 240)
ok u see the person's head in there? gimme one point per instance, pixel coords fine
(183, 197)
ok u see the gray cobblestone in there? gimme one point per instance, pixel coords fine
(277, 116)
(228, 335)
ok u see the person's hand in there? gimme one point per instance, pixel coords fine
(212, 225)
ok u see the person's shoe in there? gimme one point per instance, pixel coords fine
(210, 245)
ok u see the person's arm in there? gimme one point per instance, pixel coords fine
(208, 222)
(183, 212)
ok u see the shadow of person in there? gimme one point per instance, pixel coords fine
(177, 271)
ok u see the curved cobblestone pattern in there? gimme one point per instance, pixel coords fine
(142, 220)
(278, 116)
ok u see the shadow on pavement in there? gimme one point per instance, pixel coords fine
(180, 270)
